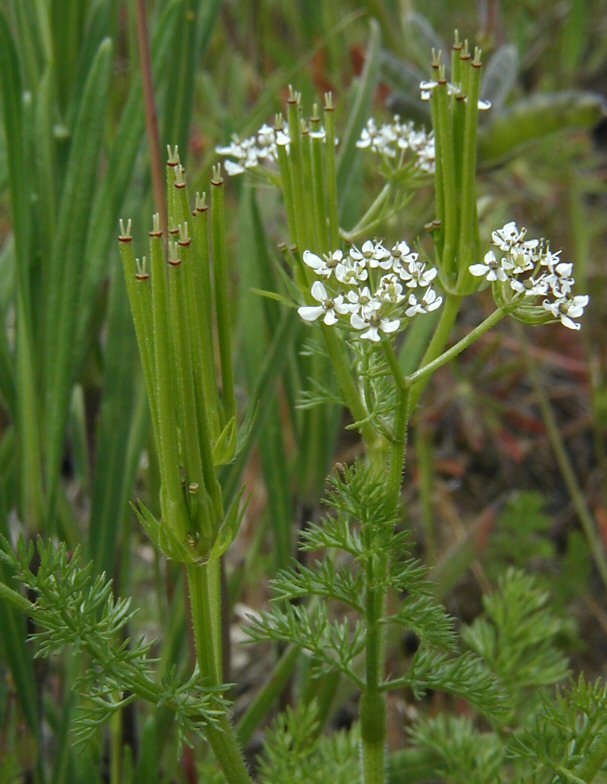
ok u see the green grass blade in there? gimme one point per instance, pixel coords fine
(109, 201)
(67, 24)
(65, 269)
(194, 27)
(46, 164)
(13, 641)
(25, 380)
(31, 23)
(114, 469)
(361, 108)
(256, 272)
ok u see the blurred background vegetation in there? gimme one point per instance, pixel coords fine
(508, 456)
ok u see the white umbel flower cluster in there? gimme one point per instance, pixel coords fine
(370, 290)
(253, 152)
(398, 141)
(526, 270)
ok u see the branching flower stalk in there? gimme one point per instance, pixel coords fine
(194, 421)
(362, 297)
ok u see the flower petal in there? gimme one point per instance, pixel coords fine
(312, 260)
(319, 292)
(310, 313)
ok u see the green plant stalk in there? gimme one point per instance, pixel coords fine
(423, 451)
(201, 308)
(331, 169)
(195, 476)
(207, 627)
(459, 121)
(439, 195)
(116, 746)
(296, 161)
(444, 131)
(439, 340)
(140, 299)
(190, 327)
(319, 192)
(198, 308)
(373, 706)
(429, 367)
(222, 298)
(468, 224)
(342, 368)
(456, 63)
(172, 500)
(309, 187)
(287, 191)
(371, 215)
(372, 703)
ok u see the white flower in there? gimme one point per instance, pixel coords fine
(429, 302)
(491, 269)
(232, 168)
(508, 236)
(402, 254)
(282, 138)
(416, 275)
(363, 301)
(531, 287)
(330, 307)
(393, 140)
(323, 267)
(565, 310)
(372, 322)
(351, 272)
(517, 262)
(373, 254)
(390, 290)
(548, 258)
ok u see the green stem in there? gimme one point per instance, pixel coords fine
(371, 215)
(14, 598)
(206, 622)
(373, 705)
(319, 186)
(399, 445)
(373, 702)
(468, 222)
(342, 367)
(444, 131)
(201, 309)
(332, 200)
(222, 296)
(439, 340)
(172, 499)
(428, 369)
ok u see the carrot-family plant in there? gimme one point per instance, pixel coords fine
(352, 299)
